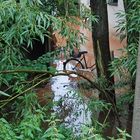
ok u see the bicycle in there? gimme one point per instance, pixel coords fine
(75, 63)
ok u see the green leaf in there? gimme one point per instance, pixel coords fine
(4, 94)
(39, 1)
(23, 3)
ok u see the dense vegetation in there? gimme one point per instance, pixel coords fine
(21, 24)
(125, 67)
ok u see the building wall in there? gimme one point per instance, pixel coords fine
(113, 21)
(114, 40)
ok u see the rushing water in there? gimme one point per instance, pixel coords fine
(71, 105)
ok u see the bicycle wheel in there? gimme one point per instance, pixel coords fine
(73, 64)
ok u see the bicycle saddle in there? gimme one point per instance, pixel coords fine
(83, 52)
(79, 54)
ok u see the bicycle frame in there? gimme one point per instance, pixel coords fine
(80, 58)
(85, 62)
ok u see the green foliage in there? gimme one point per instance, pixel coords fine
(123, 135)
(6, 130)
(42, 63)
(22, 23)
(67, 7)
(126, 98)
(87, 16)
(27, 124)
(31, 116)
(30, 127)
(102, 82)
(130, 28)
(97, 105)
(52, 132)
(90, 133)
(4, 94)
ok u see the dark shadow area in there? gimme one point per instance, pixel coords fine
(38, 48)
(108, 118)
(129, 120)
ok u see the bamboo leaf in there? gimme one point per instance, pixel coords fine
(23, 3)
(4, 94)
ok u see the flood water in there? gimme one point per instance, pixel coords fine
(70, 105)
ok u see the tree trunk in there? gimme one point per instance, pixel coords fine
(100, 35)
(136, 112)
